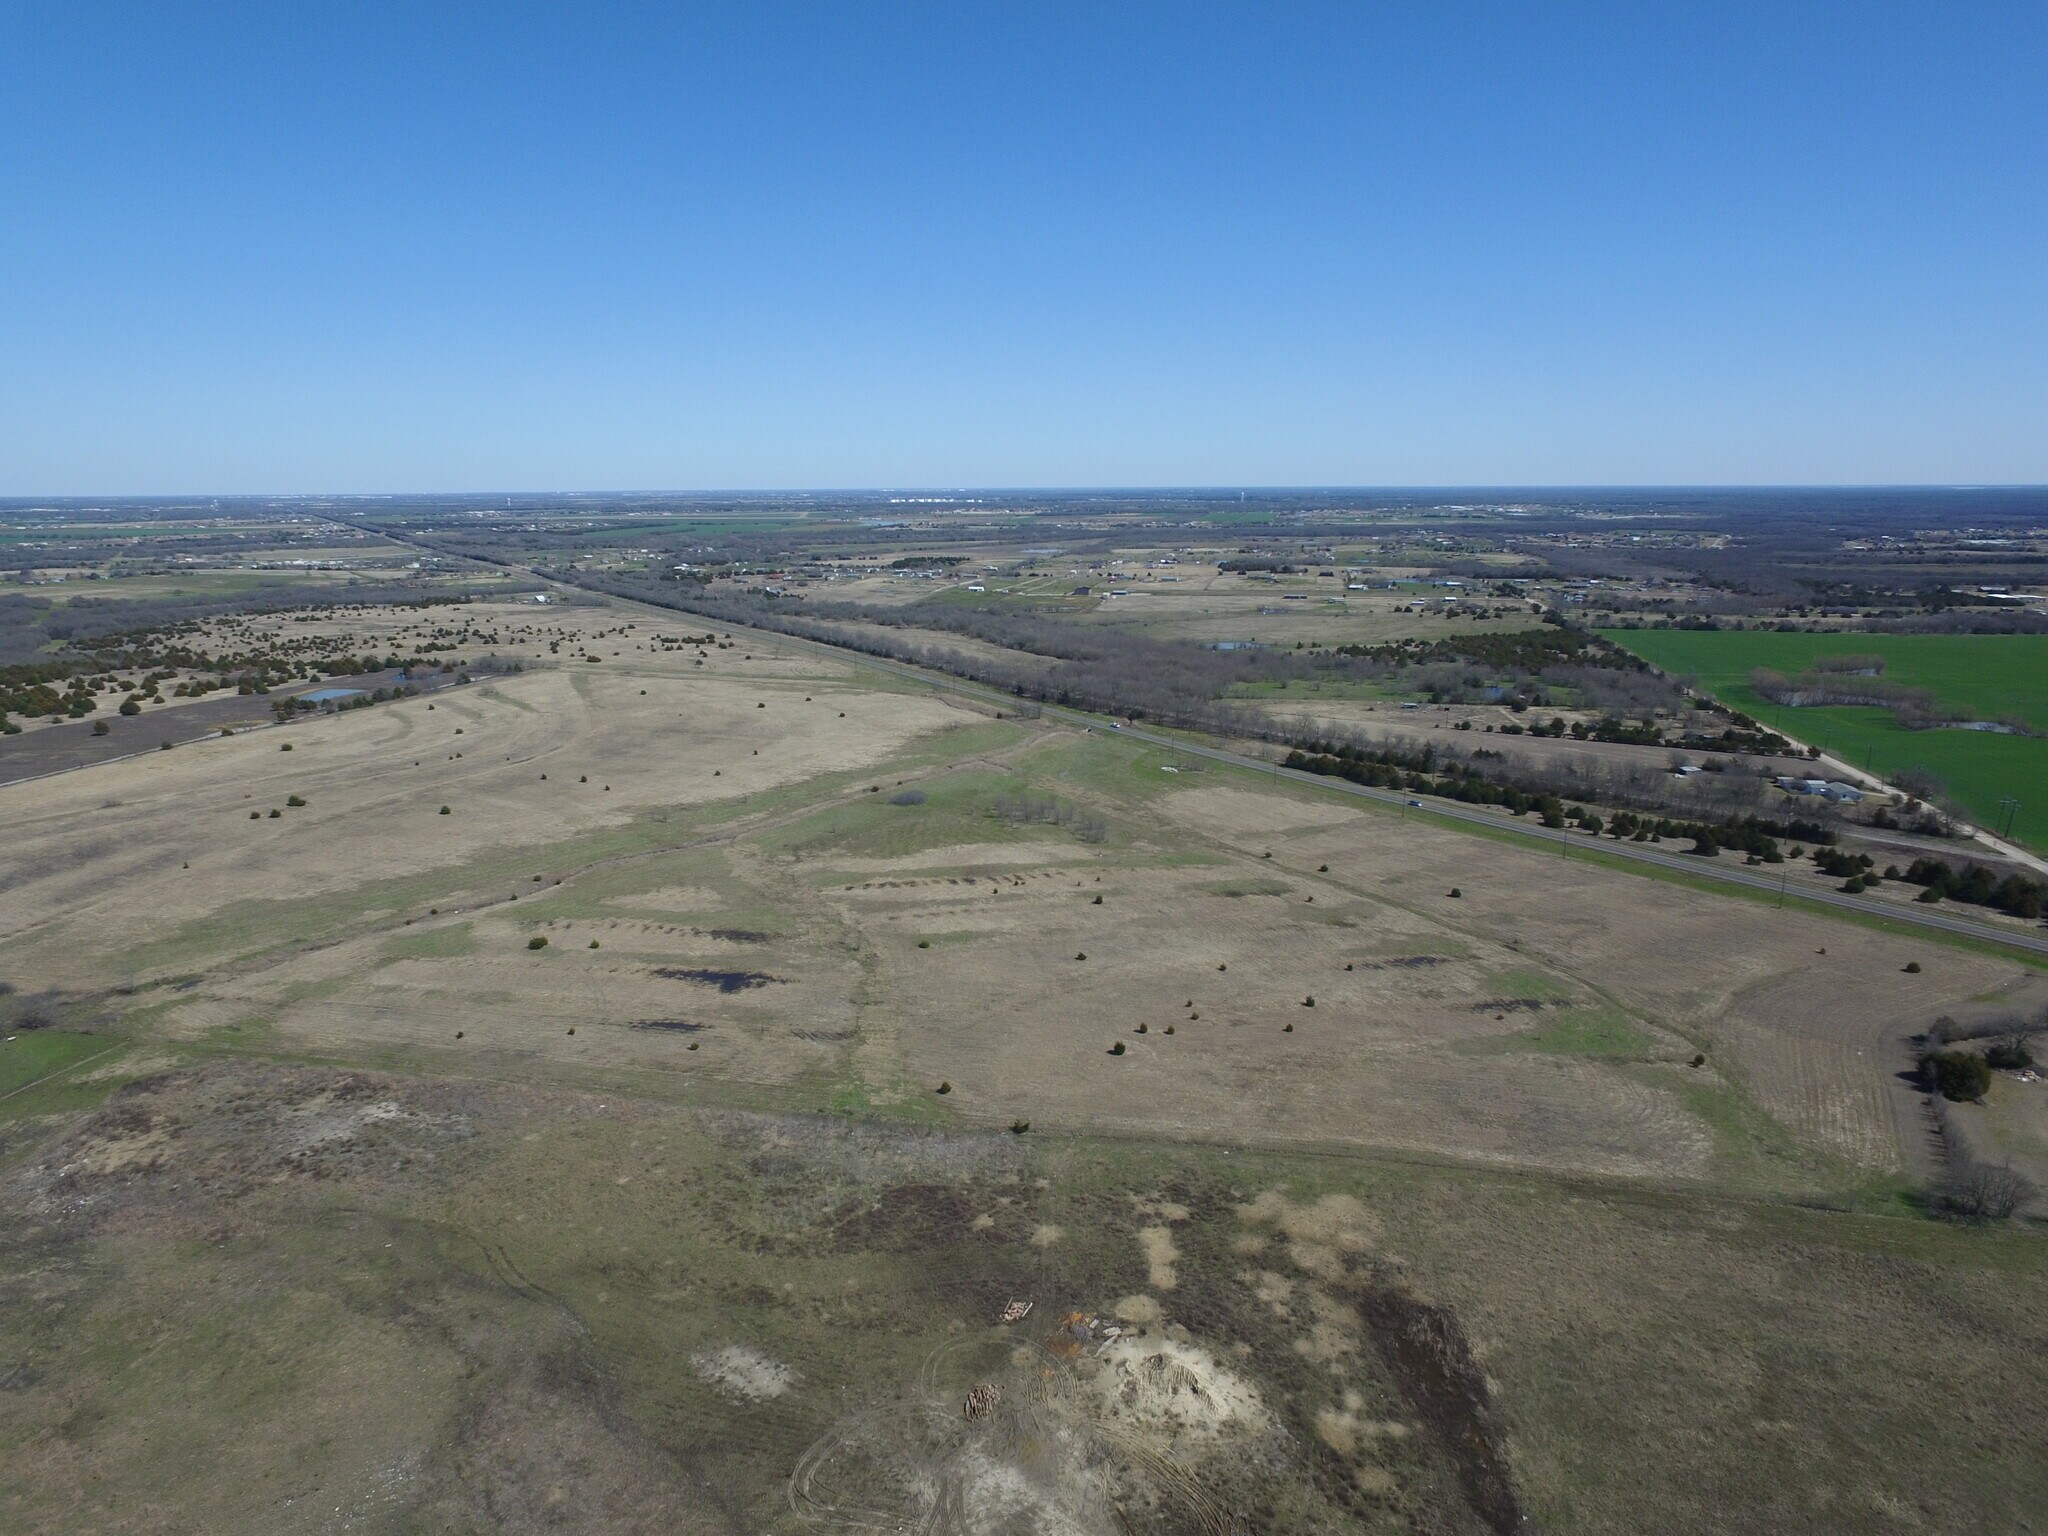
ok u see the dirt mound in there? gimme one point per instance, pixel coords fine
(1162, 1388)
(1131, 1435)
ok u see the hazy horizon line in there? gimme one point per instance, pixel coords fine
(1270, 489)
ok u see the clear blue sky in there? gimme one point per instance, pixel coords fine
(280, 247)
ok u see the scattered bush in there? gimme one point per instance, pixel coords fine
(538, 941)
(445, 811)
(1961, 1076)
(1912, 967)
(2012, 1040)
(31, 1013)
(593, 943)
(294, 799)
(1117, 1049)
(1455, 892)
(908, 797)
(945, 1088)
(924, 943)
(1017, 1127)
(100, 727)
(2007, 1056)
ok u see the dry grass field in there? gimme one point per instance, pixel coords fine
(1195, 600)
(655, 1139)
(1205, 603)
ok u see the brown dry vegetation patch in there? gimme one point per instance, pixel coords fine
(178, 845)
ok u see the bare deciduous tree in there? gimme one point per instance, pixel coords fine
(1984, 1191)
(1970, 1187)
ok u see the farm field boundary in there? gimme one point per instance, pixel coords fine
(1985, 677)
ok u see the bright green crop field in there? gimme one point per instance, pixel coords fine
(1986, 677)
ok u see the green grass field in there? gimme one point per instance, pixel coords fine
(1983, 676)
(36, 1075)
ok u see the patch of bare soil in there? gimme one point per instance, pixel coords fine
(1156, 1243)
(744, 1372)
(224, 1129)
